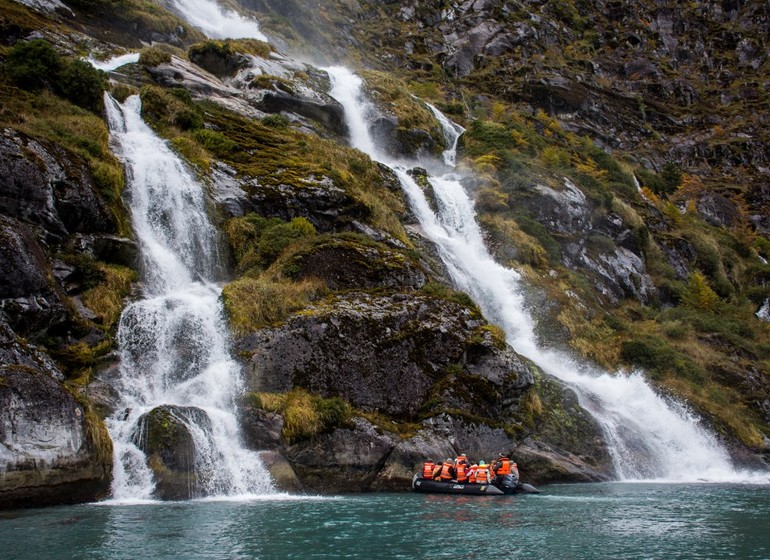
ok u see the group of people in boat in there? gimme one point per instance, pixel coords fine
(461, 471)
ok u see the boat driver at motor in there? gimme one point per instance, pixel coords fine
(506, 472)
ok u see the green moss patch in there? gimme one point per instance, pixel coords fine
(304, 414)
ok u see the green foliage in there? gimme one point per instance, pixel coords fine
(484, 137)
(540, 232)
(35, 65)
(173, 108)
(275, 239)
(664, 183)
(215, 142)
(555, 157)
(304, 415)
(442, 291)
(107, 298)
(229, 47)
(153, 56)
(659, 359)
(258, 241)
(491, 200)
(276, 121)
(82, 84)
(698, 295)
(87, 272)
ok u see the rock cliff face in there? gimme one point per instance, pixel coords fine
(53, 224)
(52, 448)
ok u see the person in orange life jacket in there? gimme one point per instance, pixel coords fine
(472, 473)
(461, 467)
(506, 472)
(503, 465)
(446, 472)
(482, 473)
(427, 468)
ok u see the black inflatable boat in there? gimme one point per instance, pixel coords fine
(428, 486)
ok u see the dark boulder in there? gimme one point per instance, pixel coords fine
(164, 435)
(346, 460)
(330, 114)
(28, 297)
(327, 206)
(379, 353)
(400, 141)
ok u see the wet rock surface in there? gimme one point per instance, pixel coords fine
(49, 450)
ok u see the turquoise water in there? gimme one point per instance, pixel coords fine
(586, 521)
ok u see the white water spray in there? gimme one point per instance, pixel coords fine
(113, 63)
(649, 437)
(174, 343)
(216, 21)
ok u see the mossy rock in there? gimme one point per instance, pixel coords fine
(379, 352)
(348, 261)
(164, 436)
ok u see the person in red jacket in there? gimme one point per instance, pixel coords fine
(472, 473)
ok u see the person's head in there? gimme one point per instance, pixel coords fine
(502, 454)
(482, 464)
(450, 461)
(463, 455)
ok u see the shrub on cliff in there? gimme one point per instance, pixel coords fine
(82, 84)
(35, 65)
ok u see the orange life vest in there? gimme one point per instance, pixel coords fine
(427, 469)
(481, 476)
(504, 466)
(462, 472)
(446, 472)
(461, 467)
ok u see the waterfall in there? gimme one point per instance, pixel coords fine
(174, 343)
(649, 437)
(217, 22)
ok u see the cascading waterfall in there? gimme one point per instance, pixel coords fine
(174, 342)
(217, 22)
(648, 436)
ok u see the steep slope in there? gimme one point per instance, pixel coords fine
(611, 96)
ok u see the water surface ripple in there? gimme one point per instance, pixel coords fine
(581, 522)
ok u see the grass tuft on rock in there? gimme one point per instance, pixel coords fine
(304, 414)
(253, 303)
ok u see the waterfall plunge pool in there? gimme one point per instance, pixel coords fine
(578, 521)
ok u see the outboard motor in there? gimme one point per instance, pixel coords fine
(507, 483)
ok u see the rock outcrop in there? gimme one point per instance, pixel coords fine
(53, 224)
(430, 363)
(53, 449)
